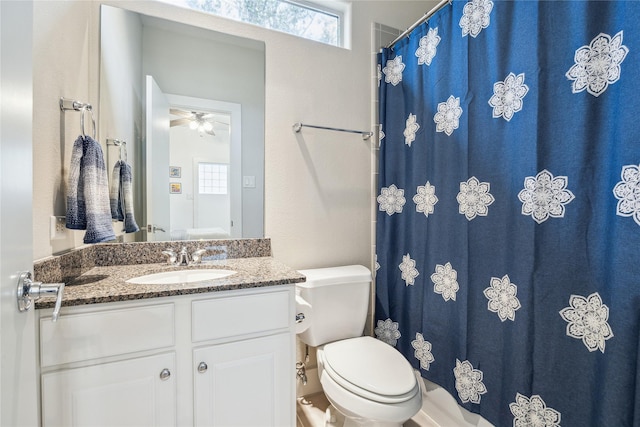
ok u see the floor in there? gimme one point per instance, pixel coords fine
(312, 411)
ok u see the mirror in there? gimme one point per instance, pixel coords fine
(189, 102)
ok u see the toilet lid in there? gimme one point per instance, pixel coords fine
(371, 365)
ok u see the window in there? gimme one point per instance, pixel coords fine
(300, 18)
(212, 178)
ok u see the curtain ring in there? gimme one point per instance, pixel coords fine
(93, 122)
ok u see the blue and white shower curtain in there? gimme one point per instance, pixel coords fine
(508, 229)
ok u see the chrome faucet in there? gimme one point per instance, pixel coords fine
(183, 257)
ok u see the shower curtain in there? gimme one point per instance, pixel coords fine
(508, 228)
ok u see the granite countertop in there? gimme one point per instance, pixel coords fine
(108, 283)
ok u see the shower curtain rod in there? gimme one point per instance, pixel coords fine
(426, 16)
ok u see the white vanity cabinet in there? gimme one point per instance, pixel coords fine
(214, 359)
(124, 393)
(243, 382)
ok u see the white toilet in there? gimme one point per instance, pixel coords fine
(365, 379)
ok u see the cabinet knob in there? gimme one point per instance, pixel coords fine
(165, 374)
(202, 367)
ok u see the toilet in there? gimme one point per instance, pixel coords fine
(367, 381)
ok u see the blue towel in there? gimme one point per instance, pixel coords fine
(88, 192)
(121, 196)
(114, 193)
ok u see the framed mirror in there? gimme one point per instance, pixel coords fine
(189, 102)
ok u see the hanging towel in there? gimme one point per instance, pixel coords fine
(126, 198)
(114, 193)
(88, 192)
(121, 196)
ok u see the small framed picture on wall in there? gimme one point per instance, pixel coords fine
(175, 187)
(175, 171)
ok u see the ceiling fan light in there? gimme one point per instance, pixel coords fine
(208, 126)
(193, 125)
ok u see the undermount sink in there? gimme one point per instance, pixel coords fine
(180, 276)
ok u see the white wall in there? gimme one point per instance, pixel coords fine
(317, 183)
(65, 63)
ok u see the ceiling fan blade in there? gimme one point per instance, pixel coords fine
(179, 122)
(208, 116)
(210, 132)
(177, 112)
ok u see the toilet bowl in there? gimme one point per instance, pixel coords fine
(366, 380)
(369, 382)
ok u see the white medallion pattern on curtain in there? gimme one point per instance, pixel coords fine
(448, 115)
(411, 127)
(474, 198)
(428, 47)
(388, 332)
(468, 382)
(393, 70)
(533, 412)
(381, 134)
(379, 73)
(422, 351)
(627, 192)
(475, 17)
(545, 196)
(409, 270)
(445, 281)
(425, 199)
(391, 199)
(502, 298)
(598, 64)
(507, 96)
(587, 318)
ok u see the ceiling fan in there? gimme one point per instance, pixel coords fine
(203, 122)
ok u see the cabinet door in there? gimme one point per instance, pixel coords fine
(125, 393)
(246, 383)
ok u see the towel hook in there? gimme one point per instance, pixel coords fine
(122, 145)
(93, 121)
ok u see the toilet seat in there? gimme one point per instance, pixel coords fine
(371, 369)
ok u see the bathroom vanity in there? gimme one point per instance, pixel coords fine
(215, 353)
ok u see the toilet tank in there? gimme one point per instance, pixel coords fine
(339, 299)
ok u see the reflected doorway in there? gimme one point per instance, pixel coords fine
(205, 172)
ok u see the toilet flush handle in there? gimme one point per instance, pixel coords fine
(299, 317)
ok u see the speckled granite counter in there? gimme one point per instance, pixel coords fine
(108, 284)
(98, 274)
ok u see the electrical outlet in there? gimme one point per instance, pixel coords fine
(58, 227)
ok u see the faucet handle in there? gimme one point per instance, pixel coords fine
(196, 257)
(171, 256)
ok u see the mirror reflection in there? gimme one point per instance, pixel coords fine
(190, 104)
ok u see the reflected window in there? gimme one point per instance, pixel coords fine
(212, 178)
(300, 18)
